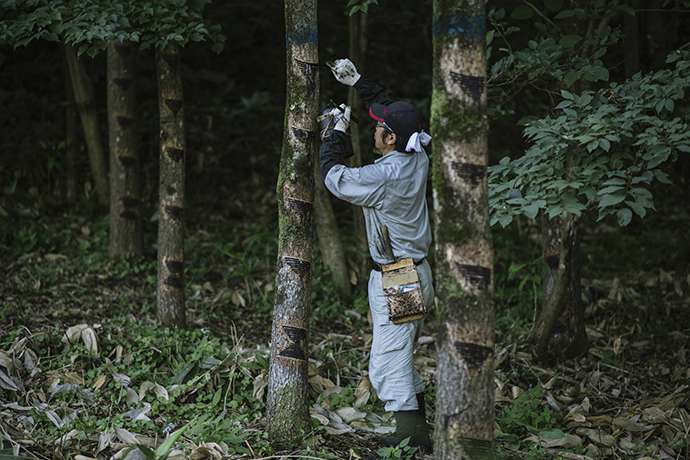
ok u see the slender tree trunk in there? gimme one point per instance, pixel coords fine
(632, 42)
(71, 146)
(328, 234)
(286, 411)
(171, 300)
(357, 27)
(125, 188)
(559, 330)
(83, 96)
(464, 252)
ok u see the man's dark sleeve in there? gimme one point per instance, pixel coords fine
(370, 91)
(335, 149)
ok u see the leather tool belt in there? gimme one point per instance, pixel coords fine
(403, 291)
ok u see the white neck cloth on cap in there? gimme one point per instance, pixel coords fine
(414, 144)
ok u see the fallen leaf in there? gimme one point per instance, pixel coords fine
(362, 393)
(126, 436)
(89, 338)
(348, 414)
(597, 436)
(7, 382)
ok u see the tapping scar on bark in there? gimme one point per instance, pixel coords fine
(175, 212)
(469, 172)
(473, 354)
(299, 266)
(474, 86)
(170, 190)
(476, 275)
(128, 214)
(175, 154)
(296, 337)
(130, 202)
(123, 83)
(164, 134)
(124, 122)
(174, 266)
(471, 28)
(552, 261)
(174, 281)
(308, 69)
(127, 161)
(174, 105)
(299, 210)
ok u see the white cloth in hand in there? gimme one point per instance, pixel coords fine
(342, 115)
(345, 72)
(417, 140)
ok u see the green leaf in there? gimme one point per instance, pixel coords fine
(553, 5)
(570, 77)
(610, 189)
(568, 41)
(624, 216)
(637, 207)
(165, 448)
(605, 144)
(522, 12)
(610, 200)
(662, 177)
(567, 95)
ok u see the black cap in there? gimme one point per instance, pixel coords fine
(401, 117)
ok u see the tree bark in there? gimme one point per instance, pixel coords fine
(71, 146)
(632, 42)
(170, 293)
(286, 411)
(83, 96)
(125, 188)
(357, 28)
(328, 234)
(559, 330)
(464, 252)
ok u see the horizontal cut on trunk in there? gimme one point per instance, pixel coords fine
(123, 83)
(473, 354)
(470, 84)
(174, 281)
(295, 340)
(471, 173)
(124, 122)
(175, 212)
(174, 266)
(174, 105)
(175, 154)
(127, 162)
(299, 266)
(477, 276)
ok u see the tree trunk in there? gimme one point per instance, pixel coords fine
(328, 234)
(71, 146)
(632, 42)
(171, 300)
(286, 409)
(125, 188)
(464, 252)
(357, 26)
(559, 329)
(83, 96)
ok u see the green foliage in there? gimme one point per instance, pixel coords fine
(359, 6)
(525, 415)
(400, 452)
(562, 53)
(600, 151)
(90, 25)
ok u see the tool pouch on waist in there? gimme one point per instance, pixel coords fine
(403, 291)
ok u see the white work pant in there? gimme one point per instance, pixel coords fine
(391, 368)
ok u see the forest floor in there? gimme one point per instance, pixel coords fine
(85, 370)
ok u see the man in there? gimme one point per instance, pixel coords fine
(392, 194)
